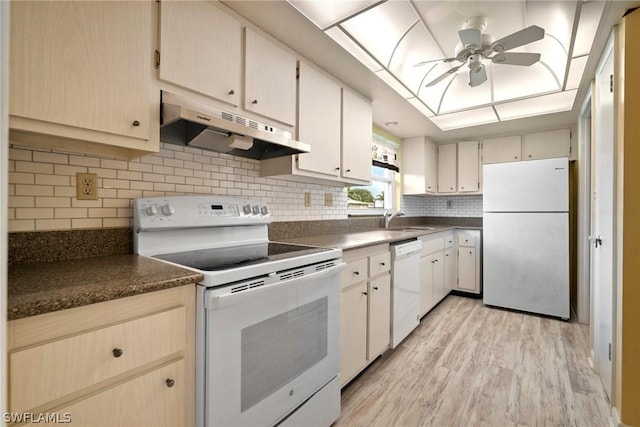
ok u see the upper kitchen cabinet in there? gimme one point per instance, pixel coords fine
(447, 168)
(270, 79)
(419, 166)
(547, 145)
(319, 121)
(502, 150)
(468, 167)
(357, 136)
(201, 49)
(337, 124)
(81, 77)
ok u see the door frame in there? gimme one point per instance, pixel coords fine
(4, 184)
(585, 132)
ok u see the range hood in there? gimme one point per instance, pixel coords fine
(194, 124)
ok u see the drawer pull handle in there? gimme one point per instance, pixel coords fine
(357, 273)
(232, 92)
(255, 101)
(170, 383)
(382, 264)
(364, 293)
(375, 288)
(136, 123)
(117, 352)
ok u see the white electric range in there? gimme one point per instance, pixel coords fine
(268, 313)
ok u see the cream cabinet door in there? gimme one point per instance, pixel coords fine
(201, 49)
(502, 150)
(426, 283)
(153, 399)
(83, 64)
(450, 270)
(447, 154)
(547, 145)
(438, 291)
(270, 79)
(419, 168)
(468, 167)
(467, 265)
(379, 316)
(357, 136)
(319, 121)
(354, 331)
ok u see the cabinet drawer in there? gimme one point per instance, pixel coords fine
(466, 239)
(431, 244)
(379, 263)
(46, 372)
(144, 401)
(354, 272)
(448, 240)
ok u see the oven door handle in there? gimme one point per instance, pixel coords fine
(227, 299)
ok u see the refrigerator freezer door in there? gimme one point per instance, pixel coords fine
(530, 186)
(526, 262)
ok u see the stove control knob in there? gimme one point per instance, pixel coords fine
(246, 209)
(264, 210)
(168, 210)
(151, 210)
(256, 209)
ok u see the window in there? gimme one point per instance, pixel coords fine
(375, 198)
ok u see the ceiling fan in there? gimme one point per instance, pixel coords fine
(474, 46)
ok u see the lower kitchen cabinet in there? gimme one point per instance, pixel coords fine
(366, 308)
(432, 284)
(379, 292)
(469, 261)
(123, 362)
(450, 270)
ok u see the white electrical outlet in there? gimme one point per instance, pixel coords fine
(87, 186)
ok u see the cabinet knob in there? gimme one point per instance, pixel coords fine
(357, 273)
(136, 123)
(232, 92)
(117, 352)
(515, 157)
(170, 382)
(348, 170)
(470, 252)
(375, 288)
(446, 254)
(338, 168)
(382, 264)
(255, 101)
(529, 155)
(450, 188)
(364, 293)
(429, 187)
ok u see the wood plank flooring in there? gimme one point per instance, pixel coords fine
(471, 365)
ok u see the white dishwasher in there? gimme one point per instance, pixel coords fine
(405, 289)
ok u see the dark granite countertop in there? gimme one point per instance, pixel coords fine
(346, 241)
(38, 288)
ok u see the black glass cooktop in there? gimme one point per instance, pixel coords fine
(238, 256)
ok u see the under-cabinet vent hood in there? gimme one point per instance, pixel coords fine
(194, 124)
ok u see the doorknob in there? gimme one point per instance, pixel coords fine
(596, 239)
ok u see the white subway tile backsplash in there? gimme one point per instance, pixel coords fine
(445, 206)
(43, 182)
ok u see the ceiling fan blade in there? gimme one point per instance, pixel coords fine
(519, 38)
(516, 58)
(418, 64)
(443, 76)
(471, 37)
(477, 76)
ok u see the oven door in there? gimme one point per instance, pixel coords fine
(270, 347)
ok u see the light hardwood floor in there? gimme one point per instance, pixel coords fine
(470, 365)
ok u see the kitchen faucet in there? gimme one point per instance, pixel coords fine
(389, 214)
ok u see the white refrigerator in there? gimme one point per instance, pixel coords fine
(526, 236)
